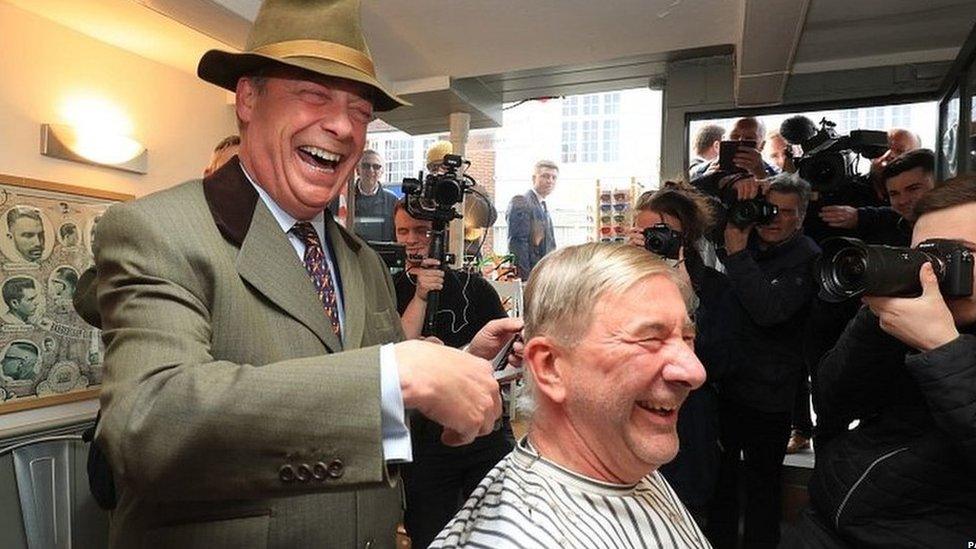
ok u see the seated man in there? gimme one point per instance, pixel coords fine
(906, 368)
(906, 179)
(442, 477)
(608, 362)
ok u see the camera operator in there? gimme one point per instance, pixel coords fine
(682, 209)
(747, 158)
(906, 179)
(906, 368)
(442, 477)
(770, 270)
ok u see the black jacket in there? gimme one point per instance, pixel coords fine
(693, 473)
(882, 225)
(772, 290)
(906, 476)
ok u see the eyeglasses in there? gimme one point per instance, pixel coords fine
(608, 239)
(620, 196)
(620, 206)
(606, 219)
(367, 165)
(606, 197)
(606, 229)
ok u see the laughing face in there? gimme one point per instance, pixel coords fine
(302, 136)
(630, 374)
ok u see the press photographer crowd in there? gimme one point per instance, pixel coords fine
(272, 375)
(805, 279)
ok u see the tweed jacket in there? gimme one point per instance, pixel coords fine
(232, 415)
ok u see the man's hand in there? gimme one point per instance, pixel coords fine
(493, 336)
(840, 217)
(450, 387)
(923, 322)
(736, 239)
(751, 161)
(429, 277)
(748, 188)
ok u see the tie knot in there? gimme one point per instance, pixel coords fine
(305, 231)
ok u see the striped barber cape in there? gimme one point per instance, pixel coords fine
(528, 501)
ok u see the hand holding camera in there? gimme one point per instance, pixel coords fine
(429, 277)
(924, 322)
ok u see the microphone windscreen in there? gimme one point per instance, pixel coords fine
(797, 129)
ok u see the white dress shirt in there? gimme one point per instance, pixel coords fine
(396, 435)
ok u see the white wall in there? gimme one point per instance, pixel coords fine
(177, 116)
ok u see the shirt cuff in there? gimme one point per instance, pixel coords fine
(396, 435)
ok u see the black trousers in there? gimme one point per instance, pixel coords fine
(441, 479)
(802, 421)
(760, 437)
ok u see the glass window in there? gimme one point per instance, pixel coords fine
(571, 106)
(569, 141)
(875, 119)
(611, 103)
(611, 140)
(950, 132)
(399, 159)
(591, 141)
(972, 118)
(901, 116)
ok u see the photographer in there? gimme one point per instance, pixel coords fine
(442, 477)
(906, 368)
(906, 179)
(686, 212)
(770, 270)
(748, 157)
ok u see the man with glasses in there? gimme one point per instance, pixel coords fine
(374, 204)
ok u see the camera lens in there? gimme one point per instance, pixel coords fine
(849, 266)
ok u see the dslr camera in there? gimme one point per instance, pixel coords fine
(743, 213)
(433, 198)
(850, 268)
(662, 240)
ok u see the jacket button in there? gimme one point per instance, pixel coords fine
(303, 472)
(368, 544)
(286, 473)
(320, 471)
(336, 468)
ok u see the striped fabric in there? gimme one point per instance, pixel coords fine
(527, 501)
(318, 271)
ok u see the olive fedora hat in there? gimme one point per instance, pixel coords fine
(321, 36)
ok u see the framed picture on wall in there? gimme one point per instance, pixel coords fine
(48, 354)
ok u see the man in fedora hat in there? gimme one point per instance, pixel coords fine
(254, 392)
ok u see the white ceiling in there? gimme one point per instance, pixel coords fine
(525, 45)
(413, 39)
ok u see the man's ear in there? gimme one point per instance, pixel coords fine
(547, 363)
(246, 96)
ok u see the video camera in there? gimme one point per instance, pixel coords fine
(433, 198)
(849, 268)
(829, 158)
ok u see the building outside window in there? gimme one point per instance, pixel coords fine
(590, 128)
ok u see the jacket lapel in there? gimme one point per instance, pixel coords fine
(345, 253)
(266, 260)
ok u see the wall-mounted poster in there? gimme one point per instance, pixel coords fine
(48, 354)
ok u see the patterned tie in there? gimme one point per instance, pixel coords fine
(318, 271)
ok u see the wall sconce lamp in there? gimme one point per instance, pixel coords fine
(94, 146)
